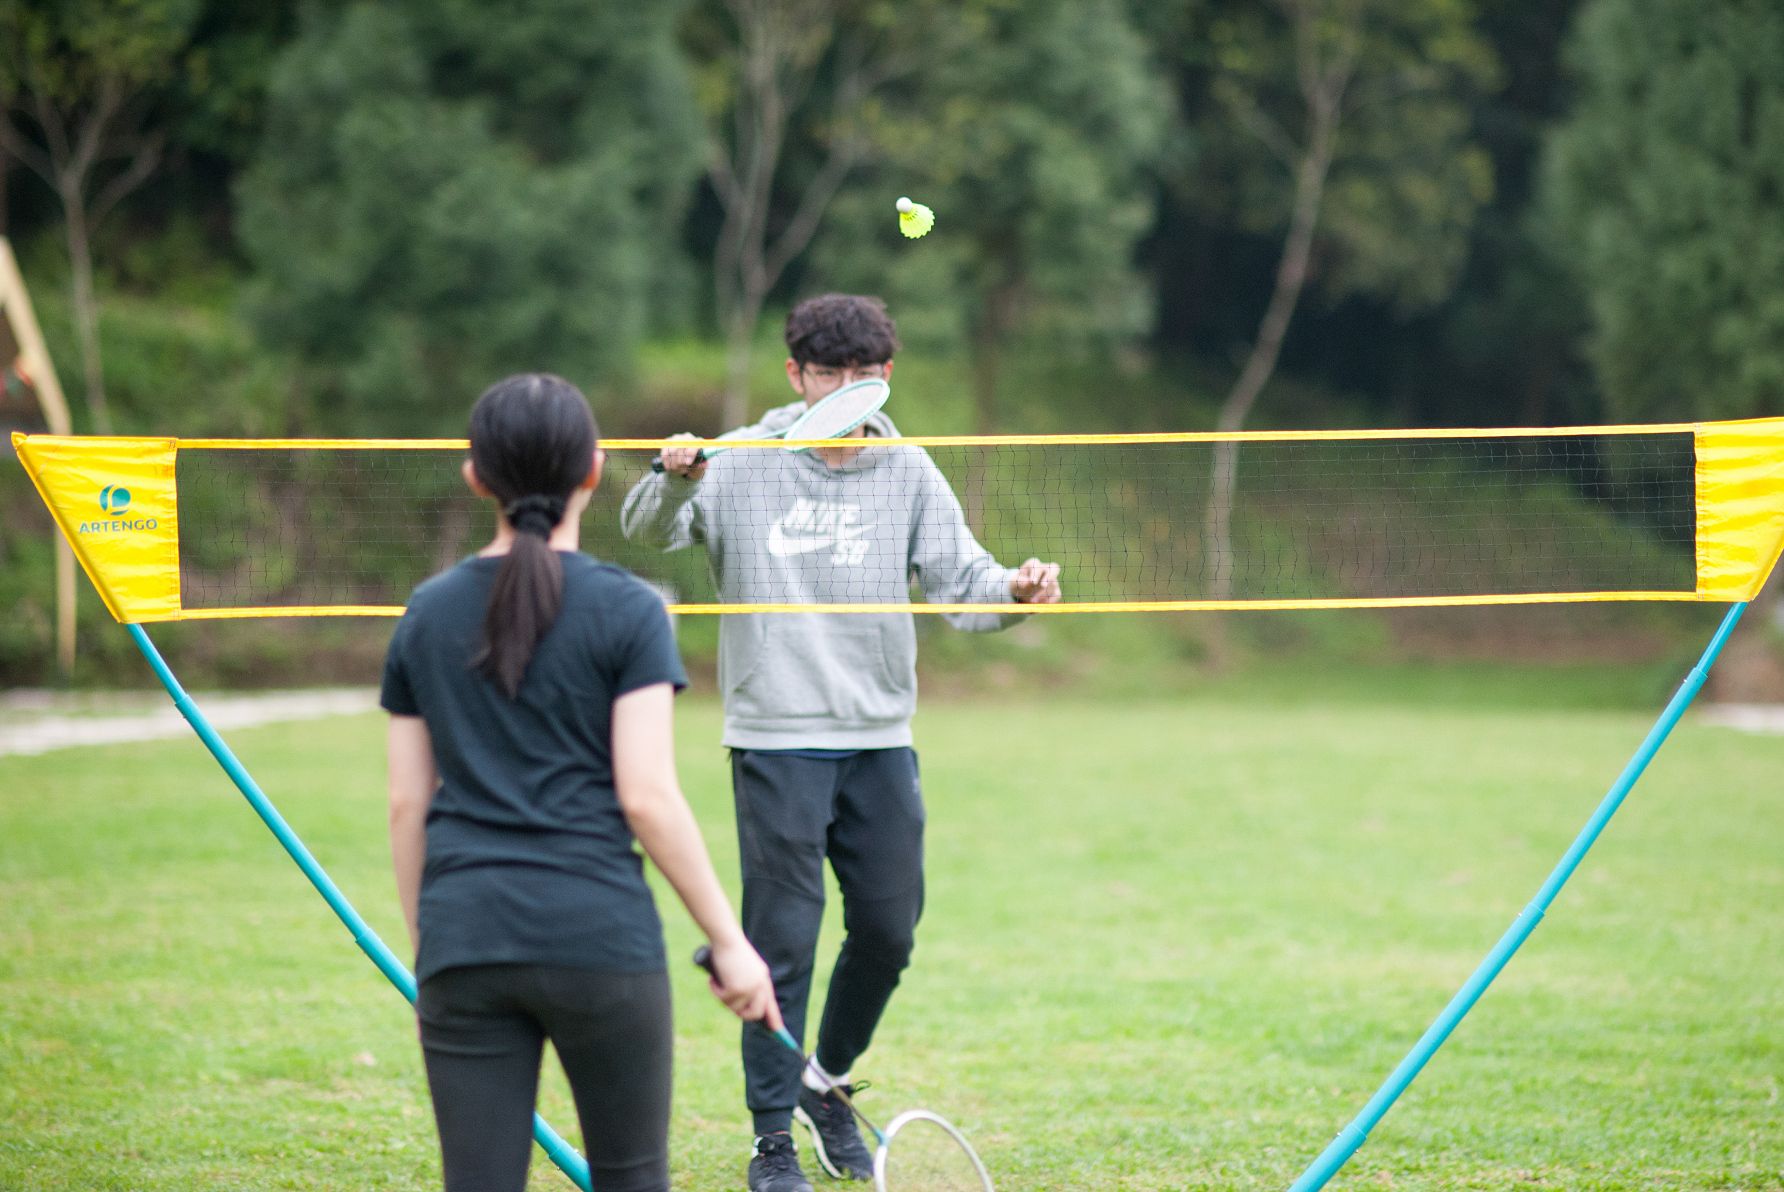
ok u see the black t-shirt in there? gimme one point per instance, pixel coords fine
(529, 858)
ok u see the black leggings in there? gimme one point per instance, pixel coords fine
(483, 1031)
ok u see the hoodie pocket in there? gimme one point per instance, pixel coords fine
(743, 641)
(839, 669)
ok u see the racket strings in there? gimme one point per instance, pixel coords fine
(841, 412)
(926, 1154)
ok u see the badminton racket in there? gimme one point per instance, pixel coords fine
(831, 417)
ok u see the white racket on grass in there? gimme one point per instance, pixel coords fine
(831, 417)
(925, 1152)
(918, 1151)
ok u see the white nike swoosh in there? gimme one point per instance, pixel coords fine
(782, 545)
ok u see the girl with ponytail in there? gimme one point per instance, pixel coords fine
(530, 690)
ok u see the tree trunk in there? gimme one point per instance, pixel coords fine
(740, 336)
(1291, 278)
(989, 334)
(987, 369)
(86, 306)
(987, 364)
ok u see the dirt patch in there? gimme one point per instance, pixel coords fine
(39, 722)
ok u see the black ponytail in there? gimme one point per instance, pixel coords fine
(532, 443)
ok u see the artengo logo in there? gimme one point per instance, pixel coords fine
(114, 499)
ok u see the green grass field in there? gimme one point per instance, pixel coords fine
(1168, 945)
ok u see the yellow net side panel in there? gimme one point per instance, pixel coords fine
(1322, 519)
(116, 503)
(1740, 506)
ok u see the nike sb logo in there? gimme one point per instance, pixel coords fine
(812, 526)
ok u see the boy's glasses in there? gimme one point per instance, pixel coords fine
(830, 377)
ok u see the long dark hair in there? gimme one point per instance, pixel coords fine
(532, 442)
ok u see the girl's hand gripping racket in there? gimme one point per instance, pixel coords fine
(832, 417)
(918, 1151)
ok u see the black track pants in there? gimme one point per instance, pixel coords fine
(483, 1031)
(865, 814)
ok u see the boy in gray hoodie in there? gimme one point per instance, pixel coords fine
(818, 706)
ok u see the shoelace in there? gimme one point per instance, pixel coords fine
(835, 1110)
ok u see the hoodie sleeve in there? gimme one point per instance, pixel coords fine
(948, 561)
(664, 511)
(672, 512)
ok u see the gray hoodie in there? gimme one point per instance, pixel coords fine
(783, 527)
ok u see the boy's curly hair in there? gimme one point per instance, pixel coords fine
(841, 330)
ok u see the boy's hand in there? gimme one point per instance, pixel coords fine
(1035, 582)
(684, 461)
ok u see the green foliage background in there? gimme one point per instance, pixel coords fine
(366, 212)
(1665, 194)
(450, 191)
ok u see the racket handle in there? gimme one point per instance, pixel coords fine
(656, 465)
(703, 958)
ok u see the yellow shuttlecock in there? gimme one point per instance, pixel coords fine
(914, 219)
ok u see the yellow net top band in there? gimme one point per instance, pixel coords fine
(1088, 606)
(1155, 437)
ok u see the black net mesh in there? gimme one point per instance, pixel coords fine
(1317, 519)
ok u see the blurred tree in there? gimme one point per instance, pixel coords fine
(1504, 346)
(1343, 127)
(1664, 192)
(1034, 130)
(80, 81)
(787, 87)
(447, 191)
(224, 77)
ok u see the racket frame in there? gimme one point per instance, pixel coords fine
(923, 1115)
(878, 386)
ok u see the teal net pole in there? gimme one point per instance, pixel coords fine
(561, 1152)
(1354, 1135)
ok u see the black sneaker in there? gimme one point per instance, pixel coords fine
(834, 1136)
(775, 1167)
